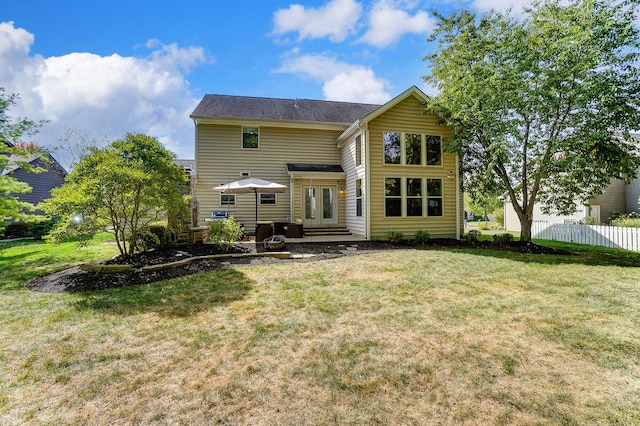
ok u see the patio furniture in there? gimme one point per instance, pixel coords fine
(264, 230)
(294, 230)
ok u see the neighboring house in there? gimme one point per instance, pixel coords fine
(41, 183)
(617, 198)
(367, 168)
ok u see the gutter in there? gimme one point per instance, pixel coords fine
(457, 197)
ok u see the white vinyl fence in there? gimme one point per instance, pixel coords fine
(595, 235)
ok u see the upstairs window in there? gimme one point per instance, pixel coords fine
(358, 150)
(412, 149)
(434, 150)
(392, 149)
(250, 138)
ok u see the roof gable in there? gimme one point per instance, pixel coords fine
(412, 91)
(305, 110)
(363, 121)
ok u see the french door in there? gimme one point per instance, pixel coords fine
(320, 205)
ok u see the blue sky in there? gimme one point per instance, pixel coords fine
(104, 68)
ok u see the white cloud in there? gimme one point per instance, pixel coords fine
(335, 20)
(341, 81)
(388, 22)
(102, 96)
(357, 85)
(517, 6)
(314, 66)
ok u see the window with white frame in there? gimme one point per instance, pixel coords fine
(358, 150)
(359, 197)
(434, 197)
(227, 199)
(392, 147)
(250, 138)
(414, 197)
(405, 197)
(434, 150)
(412, 149)
(393, 196)
(269, 199)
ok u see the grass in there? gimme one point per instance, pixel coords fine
(400, 337)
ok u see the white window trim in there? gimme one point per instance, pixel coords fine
(232, 203)
(242, 137)
(356, 149)
(403, 196)
(400, 197)
(361, 198)
(275, 197)
(403, 150)
(427, 196)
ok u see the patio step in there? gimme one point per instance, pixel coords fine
(314, 232)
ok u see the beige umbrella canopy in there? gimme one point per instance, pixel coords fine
(254, 185)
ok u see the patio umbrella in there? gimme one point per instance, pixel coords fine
(252, 184)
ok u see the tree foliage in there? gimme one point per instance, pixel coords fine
(541, 107)
(14, 153)
(123, 187)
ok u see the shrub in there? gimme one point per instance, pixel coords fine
(41, 228)
(618, 215)
(489, 226)
(422, 236)
(502, 238)
(222, 233)
(37, 227)
(627, 221)
(152, 236)
(394, 236)
(473, 235)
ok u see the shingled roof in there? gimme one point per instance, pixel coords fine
(243, 107)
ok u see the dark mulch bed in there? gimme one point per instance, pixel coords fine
(76, 280)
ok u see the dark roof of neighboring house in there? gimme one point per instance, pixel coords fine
(225, 106)
(40, 183)
(15, 160)
(307, 167)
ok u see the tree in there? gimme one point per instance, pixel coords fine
(124, 187)
(541, 107)
(75, 144)
(12, 150)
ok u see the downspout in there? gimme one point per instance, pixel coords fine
(292, 219)
(367, 183)
(194, 198)
(457, 197)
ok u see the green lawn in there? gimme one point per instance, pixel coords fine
(399, 337)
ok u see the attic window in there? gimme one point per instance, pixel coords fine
(250, 138)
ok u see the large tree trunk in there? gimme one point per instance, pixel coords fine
(526, 220)
(525, 230)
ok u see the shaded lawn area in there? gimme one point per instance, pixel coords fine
(397, 337)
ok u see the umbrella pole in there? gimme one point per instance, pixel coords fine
(256, 192)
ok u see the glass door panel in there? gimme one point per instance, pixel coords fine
(327, 203)
(310, 203)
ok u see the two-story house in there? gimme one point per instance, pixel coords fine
(368, 168)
